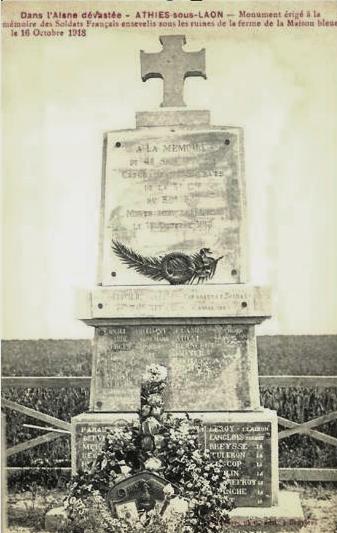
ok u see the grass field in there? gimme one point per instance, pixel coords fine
(277, 355)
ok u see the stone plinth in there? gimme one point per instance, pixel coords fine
(173, 117)
(286, 516)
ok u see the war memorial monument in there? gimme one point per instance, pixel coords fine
(173, 290)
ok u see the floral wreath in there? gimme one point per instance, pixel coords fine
(196, 498)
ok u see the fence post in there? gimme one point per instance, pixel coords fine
(3, 474)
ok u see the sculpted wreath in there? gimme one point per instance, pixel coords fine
(195, 493)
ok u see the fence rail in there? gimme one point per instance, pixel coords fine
(292, 428)
(84, 381)
(45, 381)
(285, 474)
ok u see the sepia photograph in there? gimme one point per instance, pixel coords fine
(169, 332)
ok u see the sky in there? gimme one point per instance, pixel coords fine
(60, 96)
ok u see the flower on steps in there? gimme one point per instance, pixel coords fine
(155, 373)
(153, 464)
(168, 490)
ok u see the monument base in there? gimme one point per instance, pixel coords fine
(246, 442)
(281, 518)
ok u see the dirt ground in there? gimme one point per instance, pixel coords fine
(26, 511)
(319, 507)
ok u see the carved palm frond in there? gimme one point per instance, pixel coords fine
(177, 268)
(148, 266)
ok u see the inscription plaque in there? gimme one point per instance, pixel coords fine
(245, 448)
(211, 367)
(89, 442)
(173, 191)
(88, 438)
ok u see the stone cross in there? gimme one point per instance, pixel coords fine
(173, 65)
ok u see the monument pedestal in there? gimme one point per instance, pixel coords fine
(204, 335)
(246, 442)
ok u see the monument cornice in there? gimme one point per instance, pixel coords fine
(241, 302)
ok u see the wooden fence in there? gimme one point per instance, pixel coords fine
(59, 428)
